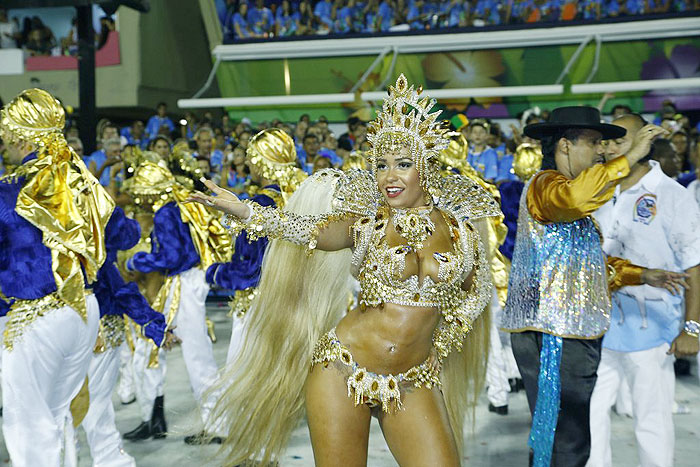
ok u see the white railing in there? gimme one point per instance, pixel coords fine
(533, 37)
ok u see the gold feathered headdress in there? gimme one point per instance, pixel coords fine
(405, 120)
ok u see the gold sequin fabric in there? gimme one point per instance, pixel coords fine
(241, 301)
(112, 332)
(366, 387)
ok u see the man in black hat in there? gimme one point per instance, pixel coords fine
(558, 303)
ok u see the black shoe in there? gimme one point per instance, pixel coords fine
(202, 438)
(158, 427)
(516, 384)
(141, 433)
(500, 410)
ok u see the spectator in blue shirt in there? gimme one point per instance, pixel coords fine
(287, 21)
(260, 19)
(308, 152)
(106, 158)
(590, 9)
(96, 160)
(610, 8)
(135, 135)
(385, 15)
(371, 16)
(344, 17)
(457, 13)
(482, 157)
(634, 7)
(241, 29)
(159, 123)
(414, 15)
(322, 12)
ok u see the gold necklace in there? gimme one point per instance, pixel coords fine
(413, 224)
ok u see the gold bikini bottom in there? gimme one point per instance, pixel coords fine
(366, 387)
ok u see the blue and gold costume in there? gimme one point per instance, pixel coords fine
(272, 156)
(53, 215)
(118, 298)
(242, 273)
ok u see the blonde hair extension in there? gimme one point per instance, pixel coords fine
(261, 392)
(463, 373)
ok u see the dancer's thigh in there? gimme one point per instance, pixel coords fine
(339, 430)
(420, 434)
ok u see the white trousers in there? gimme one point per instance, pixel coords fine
(126, 388)
(148, 382)
(41, 375)
(197, 350)
(102, 435)
(496, 372)
(652, 383)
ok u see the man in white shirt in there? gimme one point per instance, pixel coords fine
(653, 222)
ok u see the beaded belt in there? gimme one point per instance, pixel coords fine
(24, 312)
(366, 387)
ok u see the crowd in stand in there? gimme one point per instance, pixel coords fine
(219, 144)
(37, 39)
(243, 19)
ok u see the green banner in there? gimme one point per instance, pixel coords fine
(618, 61)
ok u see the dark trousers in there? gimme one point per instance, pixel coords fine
(579, 363)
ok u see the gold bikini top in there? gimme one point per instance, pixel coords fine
(381, 272)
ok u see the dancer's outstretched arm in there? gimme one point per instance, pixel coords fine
(328, 232)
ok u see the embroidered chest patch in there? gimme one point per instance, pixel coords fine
(645, 209)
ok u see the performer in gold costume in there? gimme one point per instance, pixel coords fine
(412, 353)
(186, 239)
(53, 216)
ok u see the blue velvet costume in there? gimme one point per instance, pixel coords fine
(25, 262)
(243, 271)
(510, 203)
(172, 251)
(116, 297)
(26, 267)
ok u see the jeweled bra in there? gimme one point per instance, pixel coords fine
(381, 273)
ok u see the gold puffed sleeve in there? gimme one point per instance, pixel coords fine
(554, 198)
(622, 272)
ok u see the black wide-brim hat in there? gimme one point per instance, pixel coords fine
(579, 116)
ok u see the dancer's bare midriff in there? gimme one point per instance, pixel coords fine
(389, 339)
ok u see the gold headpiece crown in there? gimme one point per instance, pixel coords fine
(406, 120)
(34, 116)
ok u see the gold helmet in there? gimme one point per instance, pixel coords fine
(272, 153)
(35, 117)
(527, 161)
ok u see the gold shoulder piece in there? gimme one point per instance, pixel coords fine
(356, 192)
(466, 199)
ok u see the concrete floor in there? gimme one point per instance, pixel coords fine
(494, 441)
